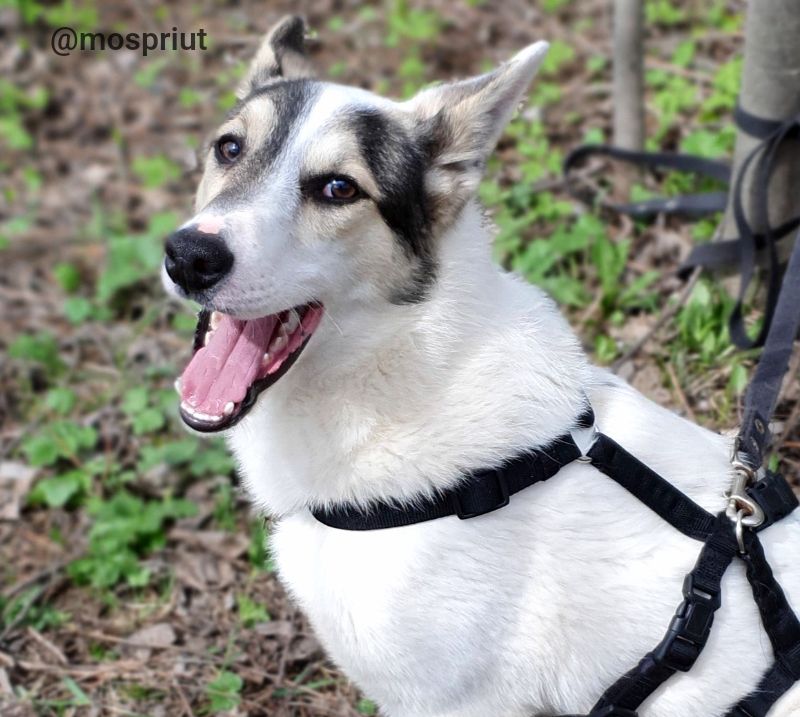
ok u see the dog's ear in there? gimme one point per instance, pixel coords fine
(282, 54)
(462, 121)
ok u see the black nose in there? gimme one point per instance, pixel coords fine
(196, 261)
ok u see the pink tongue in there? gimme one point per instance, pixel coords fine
(222, 371)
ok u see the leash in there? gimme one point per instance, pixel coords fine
(744, 249)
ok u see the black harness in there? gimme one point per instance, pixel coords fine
(758, 498)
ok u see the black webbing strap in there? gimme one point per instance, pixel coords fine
(783, 629)
(687, 633)
(742, 250)
(688, 205)
(480, 492)
(762, 393)
(659, 495)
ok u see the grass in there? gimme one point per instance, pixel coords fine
(103, 431)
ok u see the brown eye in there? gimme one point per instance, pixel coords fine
(341, 189)
(228, 149)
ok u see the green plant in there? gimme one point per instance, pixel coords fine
(250, 612)
(155, 171)
(61, 440)
(125, 528)
(258, 551)
(130, 258)
(24, 610)
(224, 691)
(41, 349)
(703, 324)
(366, 707)
(137, 406)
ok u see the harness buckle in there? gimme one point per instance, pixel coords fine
(689, 628)
(485, 492)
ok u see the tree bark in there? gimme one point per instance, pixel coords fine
(628, 84)
(771, 90)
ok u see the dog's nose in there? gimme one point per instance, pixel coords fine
(196, 261)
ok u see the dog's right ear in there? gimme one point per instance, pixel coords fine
(282, 54)
(460, 123)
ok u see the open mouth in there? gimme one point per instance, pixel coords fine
(236, 359)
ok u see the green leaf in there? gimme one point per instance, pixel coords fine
(684, 53)
(223, 691)
(558, 55)
(60, 400)
(60, 439)
(135, 400)
(212, 460)
(250, 612)
(14, 134)
(39, 348)
(78, 309)
(367, 707)
(737, 383)
(605, 349)
(68, 276)
(40, 451)
(148, 421)
(57, 491)
(155, 171)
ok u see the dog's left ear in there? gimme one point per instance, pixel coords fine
(462, 121)
(282, 54)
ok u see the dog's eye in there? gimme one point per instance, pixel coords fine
(228, 149)
(340, 189)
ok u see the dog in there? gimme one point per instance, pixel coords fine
(357, 343)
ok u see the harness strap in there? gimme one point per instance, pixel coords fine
(687, 633)
(480, 492)
(783, 629)
(647, 486)
(688, 205)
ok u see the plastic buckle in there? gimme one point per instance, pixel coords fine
(686, 637)
(494, 495)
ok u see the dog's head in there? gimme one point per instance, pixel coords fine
(314, 193)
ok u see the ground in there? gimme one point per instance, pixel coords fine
(133, 576)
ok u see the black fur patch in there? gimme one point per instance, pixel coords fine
(289, 35)
(397, 162)
(291, 100)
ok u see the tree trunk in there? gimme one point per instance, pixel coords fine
(771, 90)
(628, 88)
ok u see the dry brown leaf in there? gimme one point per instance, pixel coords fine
(15, 481)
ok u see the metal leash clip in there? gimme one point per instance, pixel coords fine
(742, 509)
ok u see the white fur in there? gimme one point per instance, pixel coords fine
(534, 609)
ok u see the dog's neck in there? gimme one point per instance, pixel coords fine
(391, 401)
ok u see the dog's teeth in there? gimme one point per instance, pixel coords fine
(265, 359)
(178, 385)
(228, 410)
(291, 322)
(207, 338)
(278, 342)
(199, 415)
(216, 317)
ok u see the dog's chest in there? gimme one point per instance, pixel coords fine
(395, 606)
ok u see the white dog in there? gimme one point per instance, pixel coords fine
(341, 229)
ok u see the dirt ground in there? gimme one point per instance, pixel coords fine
(183, 643)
